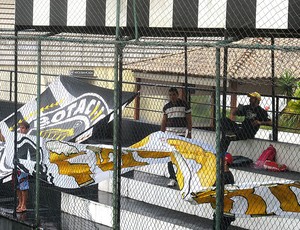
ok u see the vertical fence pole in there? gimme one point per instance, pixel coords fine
(16, 123)
(116, 129)
(274, 117)
(10, 85)
(225, 78)
(37, 164)
(219, 186)
(187, 95)
(136, 31)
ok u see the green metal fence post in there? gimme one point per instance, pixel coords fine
(37, 165)
(219, 186)
(116, 129)
(10, 85)
(274, 117)
(16, 123)
(136, 31)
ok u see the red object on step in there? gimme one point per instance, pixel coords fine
(228, 158)
(268, 154)
(273, 166)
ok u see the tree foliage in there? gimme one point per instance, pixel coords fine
(287, 84)
(290, 115)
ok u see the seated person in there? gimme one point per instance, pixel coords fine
(255, 116)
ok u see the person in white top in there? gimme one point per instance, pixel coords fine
(177, 119)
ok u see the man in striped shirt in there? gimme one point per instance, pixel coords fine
(177, 119)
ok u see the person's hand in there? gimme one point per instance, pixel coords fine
(256, 123)
(236, 110)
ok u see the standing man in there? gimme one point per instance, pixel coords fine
(22, 177)
(177, 119)
(255, 116)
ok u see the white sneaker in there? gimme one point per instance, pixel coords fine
(172, 183)
(231, 136)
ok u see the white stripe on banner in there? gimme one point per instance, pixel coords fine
(161, 13)
(111, 15)
(76, 13)
(41, 13)
(60, 93)
(272, 14)
(212, 14)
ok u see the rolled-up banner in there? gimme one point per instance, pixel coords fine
(69, 107)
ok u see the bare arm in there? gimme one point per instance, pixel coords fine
(163, 123)
(237, 111)
(189, 124)
(266, 123)
(234, 111)
(2, 139)
(257, 122)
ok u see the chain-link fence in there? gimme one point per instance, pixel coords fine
(95, 89)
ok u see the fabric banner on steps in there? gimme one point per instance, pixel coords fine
(73, 165)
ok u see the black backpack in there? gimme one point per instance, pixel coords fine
(241, 161)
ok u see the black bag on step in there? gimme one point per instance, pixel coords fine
(241, 161)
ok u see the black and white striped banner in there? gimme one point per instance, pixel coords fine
(245, 14)
(69, 107)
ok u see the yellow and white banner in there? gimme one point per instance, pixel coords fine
(257, 199)
(72, 165)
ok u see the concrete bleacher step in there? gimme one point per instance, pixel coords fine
(147, 203)
(134, 214)
(136, 183)
(151, 180)
(152, 190)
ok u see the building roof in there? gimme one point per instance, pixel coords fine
(243, 64)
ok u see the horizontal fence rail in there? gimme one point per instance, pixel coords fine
(99, 104)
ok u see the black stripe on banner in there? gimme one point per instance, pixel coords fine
(185, 14)
(48, 101)
(294, 15)
(142, 12)
(241, 14)
(95, 12)
(58, 12)
(10, 122)
(24, 12)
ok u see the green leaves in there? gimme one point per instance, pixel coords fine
(287, 83)
(289, 86)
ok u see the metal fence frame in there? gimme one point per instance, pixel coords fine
(118, 81)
